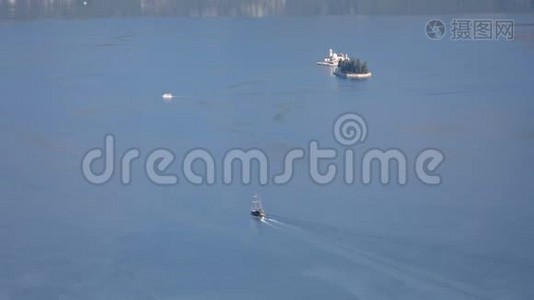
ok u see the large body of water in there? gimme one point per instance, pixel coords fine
(253, 83)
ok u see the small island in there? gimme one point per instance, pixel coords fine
(352, 69)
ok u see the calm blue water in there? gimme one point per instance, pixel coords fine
(254, 83)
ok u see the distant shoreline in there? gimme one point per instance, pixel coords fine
(29, 9)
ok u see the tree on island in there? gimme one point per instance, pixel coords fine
(353, 66)
(364, 68)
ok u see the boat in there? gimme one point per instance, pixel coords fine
(333, 59)
(257, 210)
(167, 96)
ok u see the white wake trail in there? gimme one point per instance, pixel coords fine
(266, 222)
(280, 223)
(411, 275)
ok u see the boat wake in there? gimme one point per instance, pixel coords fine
(280, 223)
(372, 253)
(269, 223)
(337, 242)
